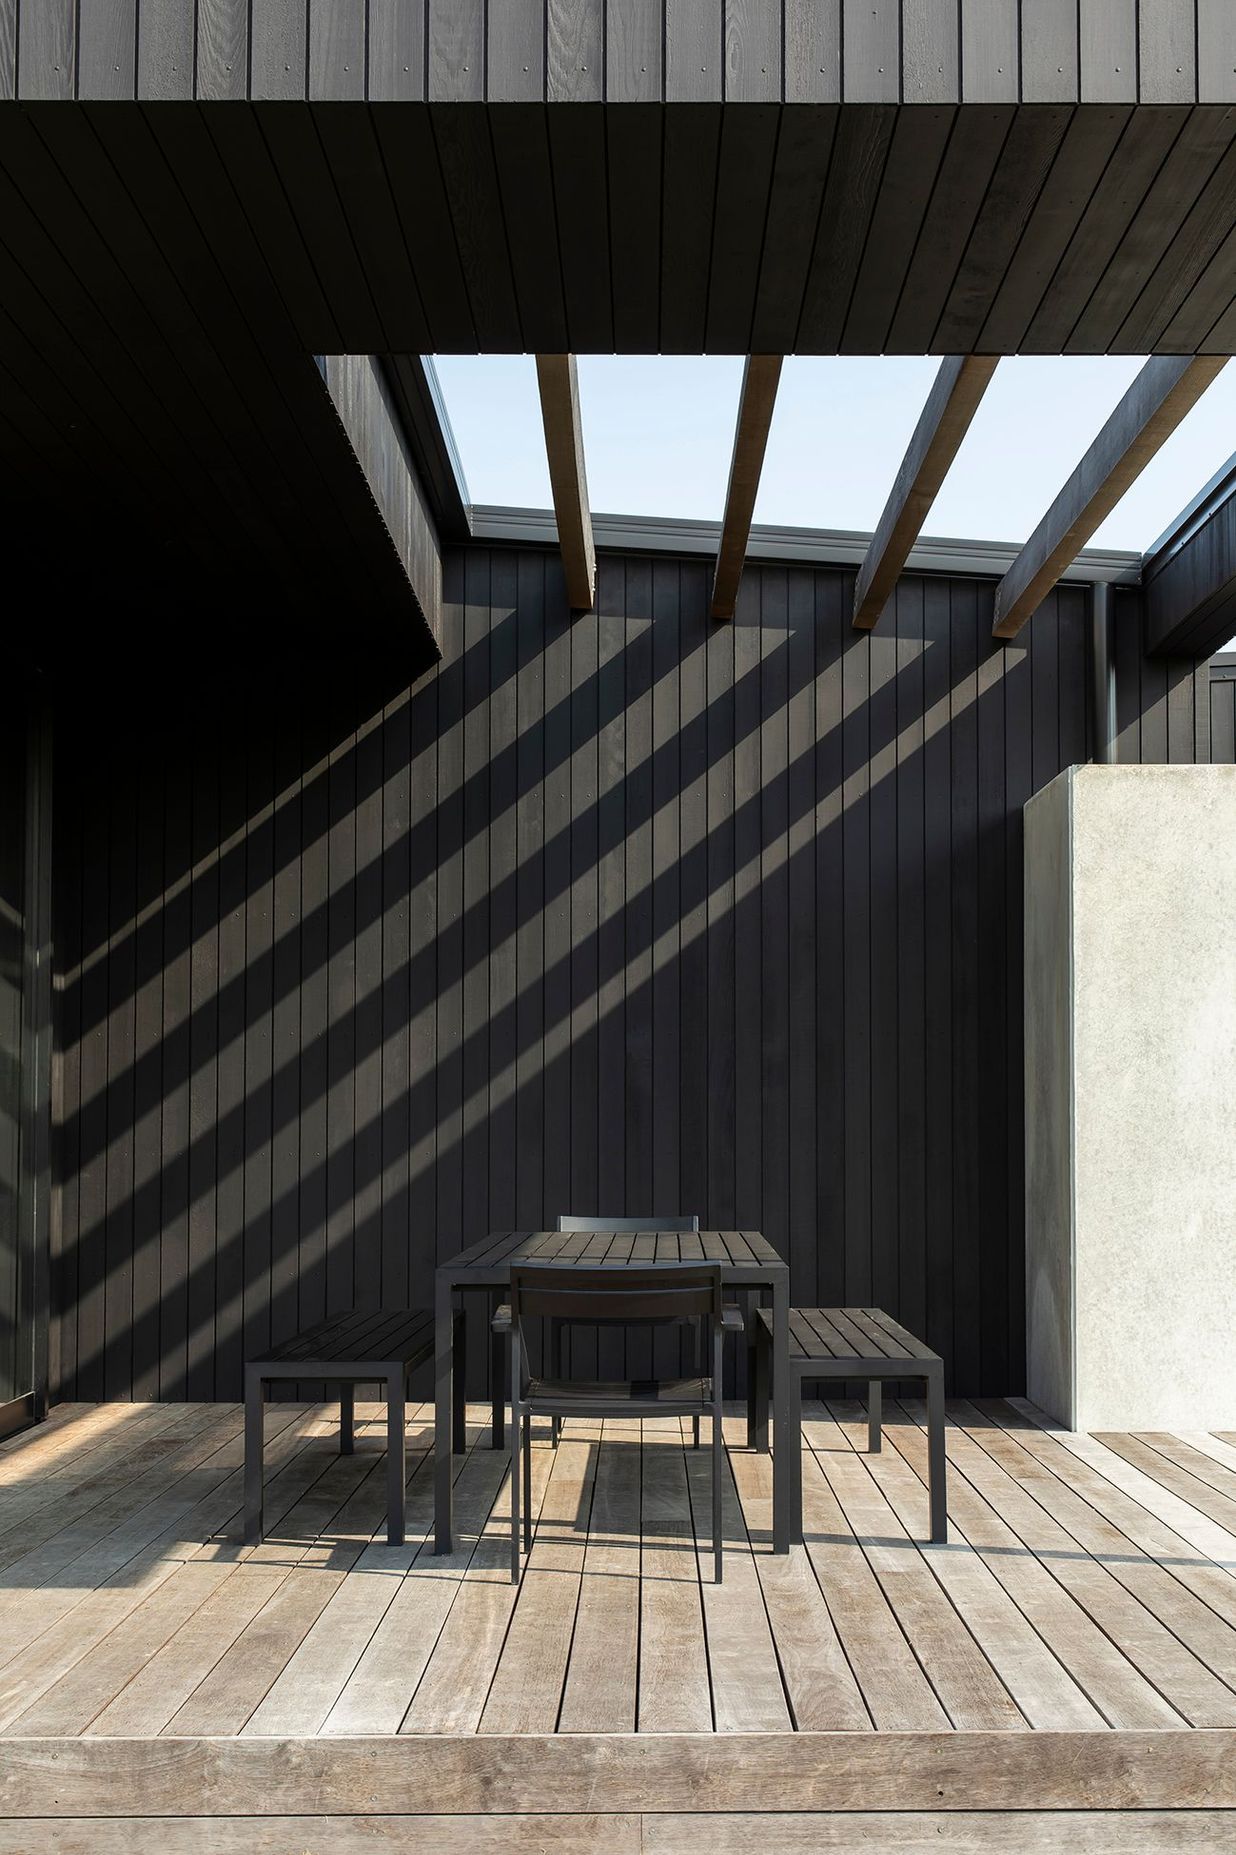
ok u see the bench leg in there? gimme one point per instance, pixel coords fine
(255, 1399)
(518, 1430)
(875, 1412)
(459, 1389)
(796, 1457)
(757, 1421)
(347, 1419)
(936, 1457)
(396, 1460)
(497, 1374)
(527, 1481)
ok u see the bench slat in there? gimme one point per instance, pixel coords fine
(857, 1338)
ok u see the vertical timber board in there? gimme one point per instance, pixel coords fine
(119, 1094)
(396, 51)
(931, 51)
(1108, 48)
(753, 33)
(1216, 51)
(203, 1170)
(166, 51)
(336, 50)
(990, 51)
(802, 951)
(871, 52)
(222, 50)
(833, 636)
(456, 51)
(1167, 50)
(369, 1183)
(694, 54)
(502, 1159)
(46, 50)
(633, 52)
(107, 50)
(515, 52)
(8, 50)
(575, 51)
(812, 30)
(528, 625)
(1049, 52)
(279, 51)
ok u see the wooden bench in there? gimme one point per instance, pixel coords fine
(843, 1343)
(359, 1347)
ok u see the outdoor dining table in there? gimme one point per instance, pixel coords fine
(748, 1261)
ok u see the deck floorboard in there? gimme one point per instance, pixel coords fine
(1089, 1583)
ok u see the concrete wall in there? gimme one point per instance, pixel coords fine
(1131, 1096)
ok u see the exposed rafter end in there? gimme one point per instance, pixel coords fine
(558, 381)
(755, 410)
(1167, 388)
(954, 399)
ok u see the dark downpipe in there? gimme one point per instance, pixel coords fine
(1103, 673)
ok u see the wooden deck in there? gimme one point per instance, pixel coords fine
(1088, 1590)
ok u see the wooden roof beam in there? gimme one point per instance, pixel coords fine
(1167, 387)
(755, 410)
(558, 381)
(954, 399)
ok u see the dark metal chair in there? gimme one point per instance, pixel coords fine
(571, 1292)
(620, 1226)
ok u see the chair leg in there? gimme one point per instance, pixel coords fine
(528, 1481)
(555, 1423)
(255, 1400)
(518, 1430)
(497, 1379)
(718, 1453)
(459, 1413)
(699, 1373)
(936, 1469)
(875, 1414)
(347, 1419)
(396, 1458)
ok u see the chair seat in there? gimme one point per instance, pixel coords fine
(570, 1396)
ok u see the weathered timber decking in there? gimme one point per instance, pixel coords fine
(1089, 1584)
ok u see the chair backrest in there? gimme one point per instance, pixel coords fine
(624, 1224)
(568, 1291)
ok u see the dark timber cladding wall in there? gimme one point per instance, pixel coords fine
(637, 913)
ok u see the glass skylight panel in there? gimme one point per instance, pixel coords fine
(1037, 419)
(838, 435)
(659, 433)
(495, 413)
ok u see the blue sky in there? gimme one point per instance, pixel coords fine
(658, 432)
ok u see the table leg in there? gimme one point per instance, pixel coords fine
(787, 1437)
(936, 1457)
(459, 1407)
(497, 1375)
(396, 1457)
(444, 1337)
(255, 1400)
(875, 1414)
(347, 1419)
(796, 1456)
(757, 1416)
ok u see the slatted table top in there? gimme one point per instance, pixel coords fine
(864, 1337)
(745, 1255)
(361, 1337)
